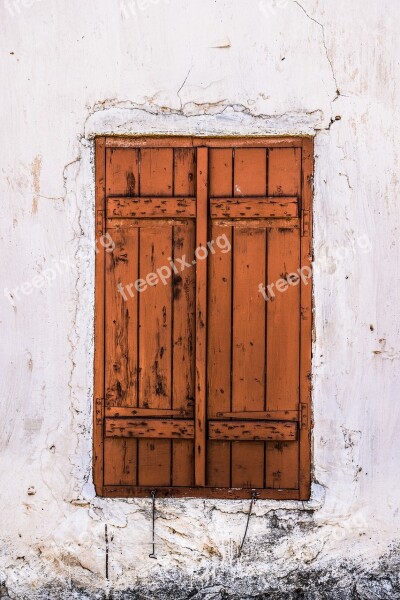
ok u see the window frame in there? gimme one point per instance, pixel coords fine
(306, 321)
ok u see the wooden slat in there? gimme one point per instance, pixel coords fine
(248, 349)
(155, 321)
(283, 321)
(120, 460)
(121, 320)
(155, 352)
(306, 323)
(274, 415)
(183, 321)
(115, 223)
(122, 171)
(121, 411)
(253, 208)
(182, 462)
(145, 207)
(201, 320)
(281, 464)
(156, 171)
(251, 430)
(150, 428)
(272, 223)
(100, 176)
(219, 352)
(154, 463)
(184, 317)
(213, 142)
(184, 172)
(250, 172)
(221, 165)
(285, 223)
(284, 171)
(162, 141)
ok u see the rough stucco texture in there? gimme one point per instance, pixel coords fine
(70, 70)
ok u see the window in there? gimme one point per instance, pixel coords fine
(203, 317)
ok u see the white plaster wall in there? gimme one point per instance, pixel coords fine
(71, 70)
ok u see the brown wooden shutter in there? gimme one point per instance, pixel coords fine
(202, 387)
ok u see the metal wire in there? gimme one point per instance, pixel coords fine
(153, 496)
(253, 499)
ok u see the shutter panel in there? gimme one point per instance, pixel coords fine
(201, 384)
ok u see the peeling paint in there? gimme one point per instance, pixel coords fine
(35, 170)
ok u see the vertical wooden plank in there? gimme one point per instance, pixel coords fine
(282, 465)
(201, 317)
(250, 177)
(183, 346)
(184, 172)
(120, 461)
(283, 320)
(184, 314)
(248, 323)
(154, 457)
(155, 336)
(306, 322)
(121, 319)
(156, 171)
(219, 354)
(221, 165)
(284, 171)
(122, 171)
(155, 319)
(248, 464)
(283, 327)
(98, 410)
(219, 347)
(182, 463)
(248, 349)
(248, 343)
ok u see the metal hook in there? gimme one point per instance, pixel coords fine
(253, 499)
(153, 495)
(106, 540)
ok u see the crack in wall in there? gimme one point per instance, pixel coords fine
(325, 46)
(182, 86)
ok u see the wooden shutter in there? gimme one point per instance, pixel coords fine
(202, 386)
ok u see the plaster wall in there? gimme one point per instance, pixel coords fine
(73, 70)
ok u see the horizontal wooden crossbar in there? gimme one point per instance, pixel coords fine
(144, 207)
(272, 415)
(149, 428)
(258, 223)
(128, 411)
(252, 430)
(253, 207)
(213, 142)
